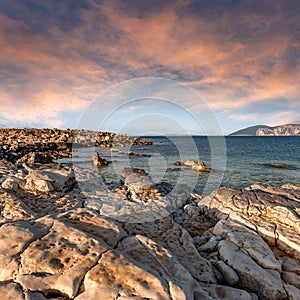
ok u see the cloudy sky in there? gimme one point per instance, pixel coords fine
(242, 57)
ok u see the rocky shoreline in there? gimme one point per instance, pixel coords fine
(56, 143)
(58, 241)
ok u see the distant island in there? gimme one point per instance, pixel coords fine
(264, 130)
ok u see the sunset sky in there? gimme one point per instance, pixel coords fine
(242, 57)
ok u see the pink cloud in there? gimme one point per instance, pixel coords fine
(61, 71)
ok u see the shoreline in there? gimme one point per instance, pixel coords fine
(64, 236)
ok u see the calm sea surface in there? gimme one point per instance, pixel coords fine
(236, 161)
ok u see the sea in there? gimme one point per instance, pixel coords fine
(237, 161)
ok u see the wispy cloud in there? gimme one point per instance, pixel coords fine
(271, 118)
(57, 58)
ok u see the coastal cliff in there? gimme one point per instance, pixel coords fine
(264, 130)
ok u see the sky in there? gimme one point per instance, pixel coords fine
(241, 57)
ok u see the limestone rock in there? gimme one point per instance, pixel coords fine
(14, 239)
(11, 291)
(179, 242)
(219, 292)
(229, 275)
(115, 274)
(288, 241)
(128, 171)
(13, 208)
(252, 276)
(48, 180)
(210, 245)
(12, 182)
(293, 292)
(138, 183)
(35, 157)
(138, 268)
(248, 240)
(197, 165)
(272, 212)
(90, 222)
(59, 260)
(291, 278)
(98, 161)
(38, 296)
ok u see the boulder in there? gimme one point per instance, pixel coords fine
(12, 183)
(210, 245)
(272, 212)
(138, 183)
(252, 276)
(229, 275)
(249, 241)
(128, 171)
(98, 161)
(197, 165)
(48, 180)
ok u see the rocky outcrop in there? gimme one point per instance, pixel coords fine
(31, 145)
(264, 130)
(66, 233)
(282, 130)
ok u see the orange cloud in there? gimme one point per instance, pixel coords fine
(233, 57)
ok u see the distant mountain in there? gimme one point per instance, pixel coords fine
(264, 130)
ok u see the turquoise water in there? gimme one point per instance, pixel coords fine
(236, 161)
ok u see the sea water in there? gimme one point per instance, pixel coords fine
(235, 161)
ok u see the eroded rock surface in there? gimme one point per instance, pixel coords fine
(61, 237)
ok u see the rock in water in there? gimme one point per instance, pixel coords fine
(98, 161)
(194, 165)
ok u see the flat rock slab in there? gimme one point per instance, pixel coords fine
(60, 259)
(92, 223)
(138, 268)
(14, 238)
